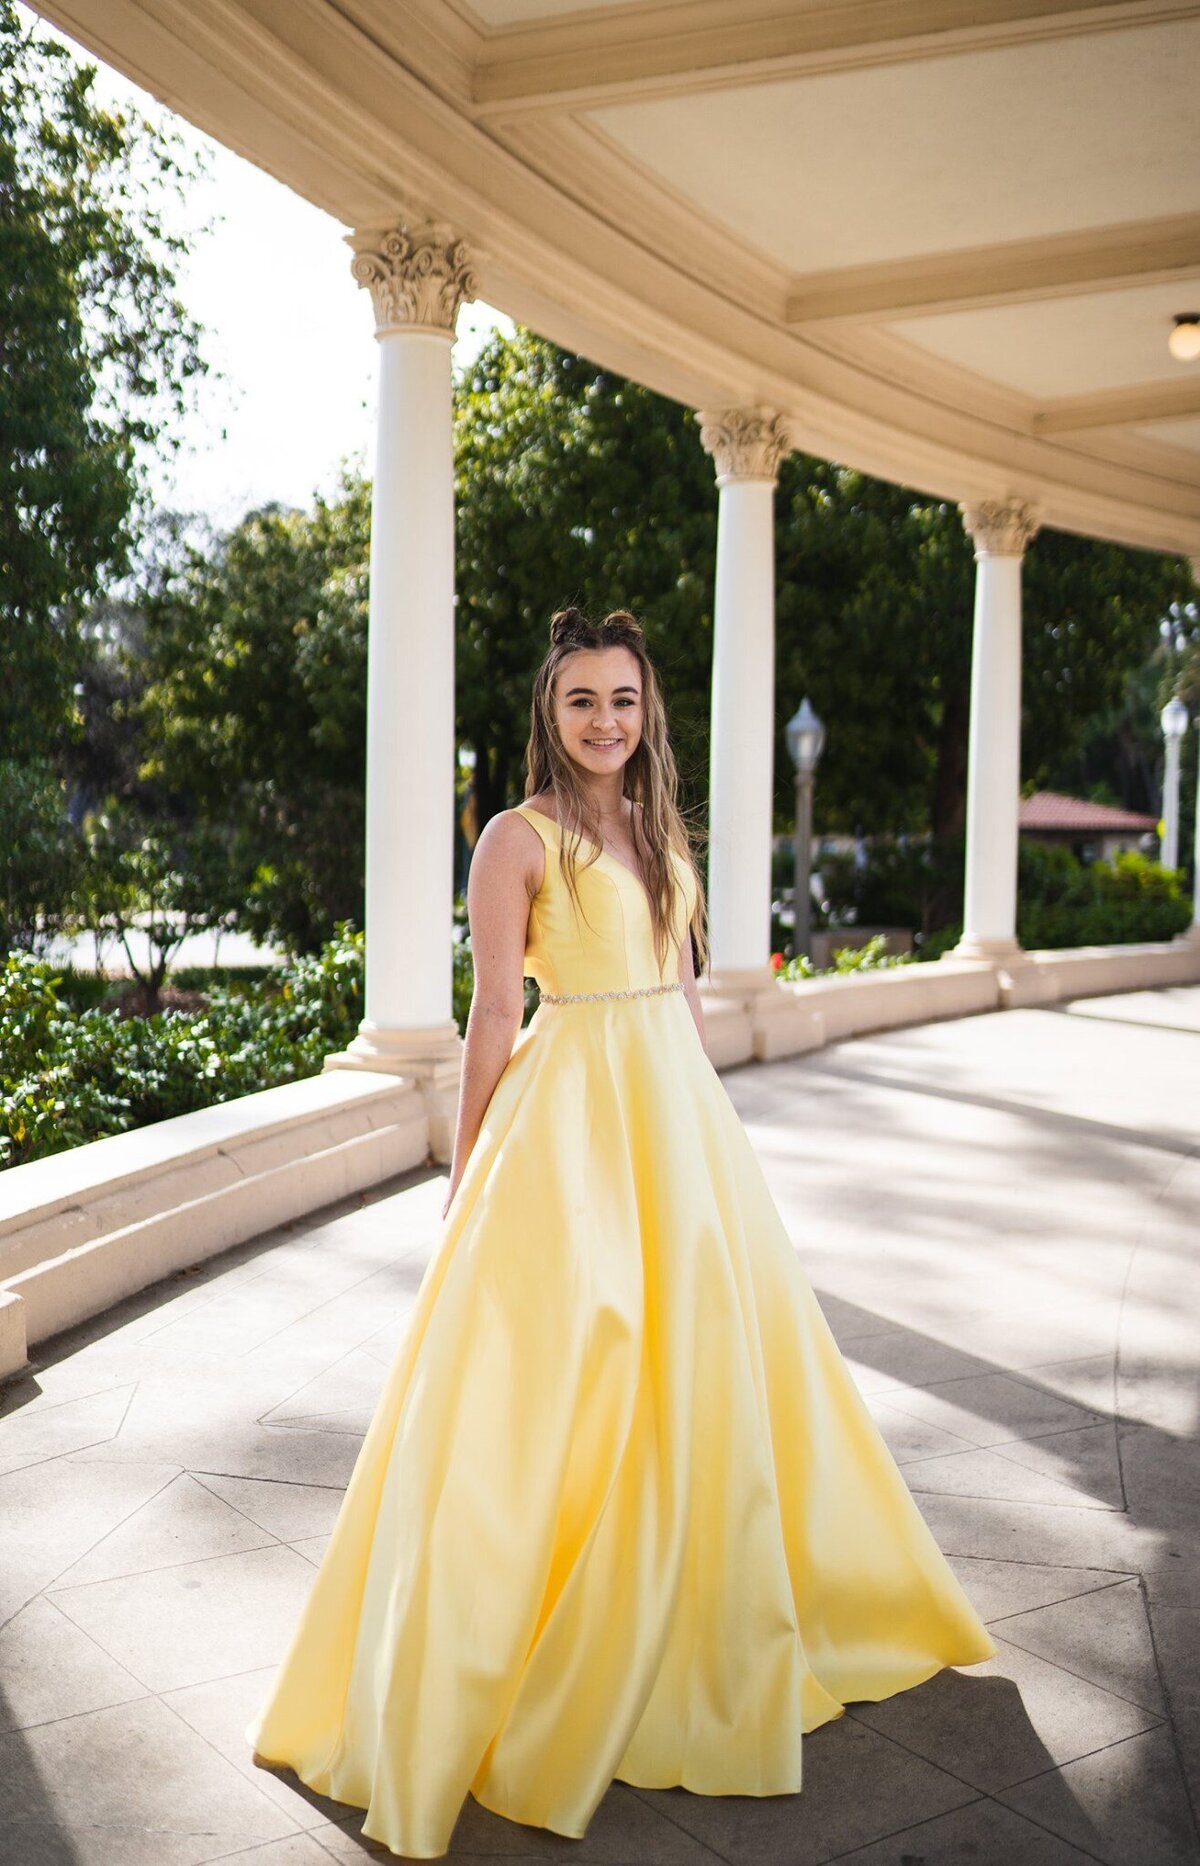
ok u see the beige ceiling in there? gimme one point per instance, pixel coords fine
(945, 237)
(847, 168)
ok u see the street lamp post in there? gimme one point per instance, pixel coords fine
(1174, 721)
(806, 742)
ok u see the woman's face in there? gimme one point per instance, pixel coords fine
(598, 708)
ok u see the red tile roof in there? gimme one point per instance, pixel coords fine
(1049, 809)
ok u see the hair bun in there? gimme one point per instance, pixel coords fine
(565, 623)
(623, 626)
(573, 628)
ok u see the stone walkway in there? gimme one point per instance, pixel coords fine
(1001, 1218)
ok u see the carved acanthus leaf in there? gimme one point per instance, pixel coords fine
(417, 277)
(1001, 527)
(746, 443)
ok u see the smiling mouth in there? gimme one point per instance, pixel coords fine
(602, 744)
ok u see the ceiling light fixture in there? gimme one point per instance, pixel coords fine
(1184, 341)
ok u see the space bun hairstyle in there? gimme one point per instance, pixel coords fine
(571, 628)
(651, 777)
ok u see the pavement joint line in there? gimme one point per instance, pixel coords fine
(1030, 1438)
(832, 1859)
(47, 1585)
(1057, 1769)
(888, 1736)
(1029, 1503)
(1015, 1561)
(642, 1793)
(1022, 1815)
(994, 1794)
(167, 1567)
(1086, 1593)
(1157, 1199)
(1172, 1720)
(1157, 1717)
(261, 1792)
(288, 1483)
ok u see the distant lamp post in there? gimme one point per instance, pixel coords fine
(1174, 720)
(806, 742)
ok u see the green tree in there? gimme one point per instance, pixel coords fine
(39, 855)
(96, 355)
(574, 486)
(254, 713)
(875, 602)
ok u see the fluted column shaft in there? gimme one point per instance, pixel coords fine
(747, 446)
(1001, 530)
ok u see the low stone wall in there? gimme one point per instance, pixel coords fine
(1091, 971)
(80, 1230)
(787, 1019)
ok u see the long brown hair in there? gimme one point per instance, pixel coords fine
(651, 776)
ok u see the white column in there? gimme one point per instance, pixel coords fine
(417, 278)
(747, 445)
(1001, 530)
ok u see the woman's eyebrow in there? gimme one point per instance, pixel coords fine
(590, 690)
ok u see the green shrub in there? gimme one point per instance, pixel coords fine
(69, 1077)
(872, 957)
(1061, 901)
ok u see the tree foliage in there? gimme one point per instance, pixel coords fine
(876, 591)
(228, 707)
(253, 718)
(96, 354)
(575, 486)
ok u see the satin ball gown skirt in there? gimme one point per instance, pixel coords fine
(621, 1512)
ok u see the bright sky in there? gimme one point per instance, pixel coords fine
(286, 325)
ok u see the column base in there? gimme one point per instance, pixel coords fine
(1190, 935)
(1022, 980)
(749, 1016)
(987, 951)
(430, 1056)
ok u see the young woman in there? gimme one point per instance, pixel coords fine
(620, 1512)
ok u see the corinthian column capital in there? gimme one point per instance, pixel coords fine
(746, 443)
(417, 276)
(1001, 527)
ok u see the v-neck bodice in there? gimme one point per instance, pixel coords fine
(611, 945)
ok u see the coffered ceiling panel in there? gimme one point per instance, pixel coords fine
(922, 157)
(1068, 346)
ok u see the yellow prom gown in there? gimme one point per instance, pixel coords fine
(621, 1511)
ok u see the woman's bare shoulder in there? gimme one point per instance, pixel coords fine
(509, 842)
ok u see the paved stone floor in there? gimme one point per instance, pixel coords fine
(1000, 1216)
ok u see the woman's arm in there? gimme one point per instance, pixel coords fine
(687, 973)
(506, 872)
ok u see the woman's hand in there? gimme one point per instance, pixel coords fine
(453, 1188)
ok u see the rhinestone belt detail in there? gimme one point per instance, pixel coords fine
(593, 997)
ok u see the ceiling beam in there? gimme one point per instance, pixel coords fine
(1120, 408)
(627, 52)
(1148, 252)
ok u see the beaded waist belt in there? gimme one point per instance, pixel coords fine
(593, 997)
